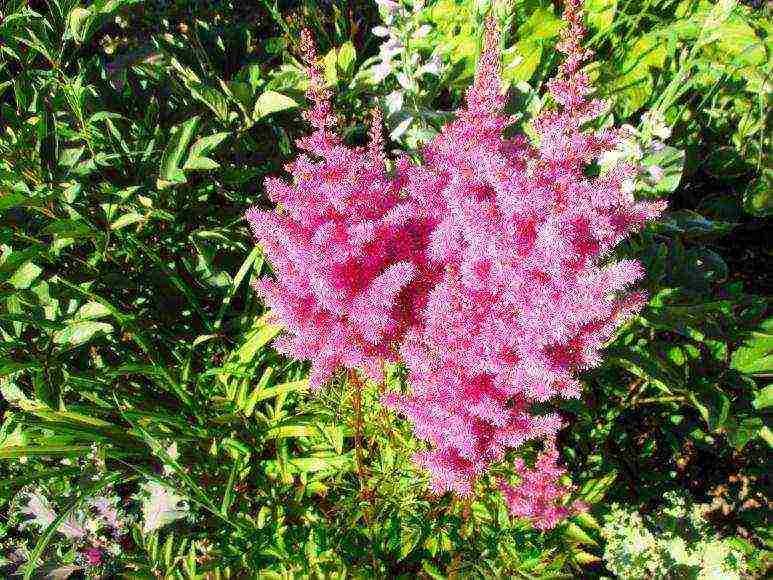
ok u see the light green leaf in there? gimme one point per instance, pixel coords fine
(81, 332)
(758, 197)
(272, 102)
(600, 13)
(197, 158)
(671, 161)
(755, 356)
(92, 311)
(171, 172)
(126, 219)
(347, 55)
(78, 21)
(763, 398)
(331, 64)
(25, 275)
(520, 61)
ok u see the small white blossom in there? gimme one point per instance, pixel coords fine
(160, 506)
(423, 31)
(381, 31)
(656, 173)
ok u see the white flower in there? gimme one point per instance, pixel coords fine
(40, 510)
(390, 48)
(656, 173)
(662, 131)
(394, 102)
(405, 81)
(381, 71)
(430, 68)
(381, 31)
(423, 31)
(43, 515)
(160, 507)
(657, 146)
(628, 187)
(107, 510)
(400, 129)
(387, 5)
(611, 157)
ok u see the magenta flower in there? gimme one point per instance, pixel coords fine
(486, 269)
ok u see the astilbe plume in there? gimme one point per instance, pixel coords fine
(348, 250)
(486, 268)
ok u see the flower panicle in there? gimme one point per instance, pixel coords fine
(486, 269)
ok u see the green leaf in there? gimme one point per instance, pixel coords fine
(755, 356)
(197, 155)
(212, 98)
(543, 24)
(594, 490)
(576, 534)
(92, 311)
(19, 451)
(347, 55)
(521, 61)
(81, 332)
(171, 172)
(323, 461)
(25, 275)
(331, 65)
(261, 334)
(78, 22)
(745, 430)
(12, 199)
(601, 13)
(671, 161)
(272, 102)
(713, 406)
(127, 219)
(758, 196)
(74, 228)
(693, 225)
(763, 399)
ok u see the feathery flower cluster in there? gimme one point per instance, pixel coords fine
(480, 269)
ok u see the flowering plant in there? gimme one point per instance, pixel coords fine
(485, 269)
(408, 117)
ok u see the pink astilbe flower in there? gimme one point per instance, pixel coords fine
(348, 250)
(487, 268)
(539, 495)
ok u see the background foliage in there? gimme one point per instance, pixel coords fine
(133, 350)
